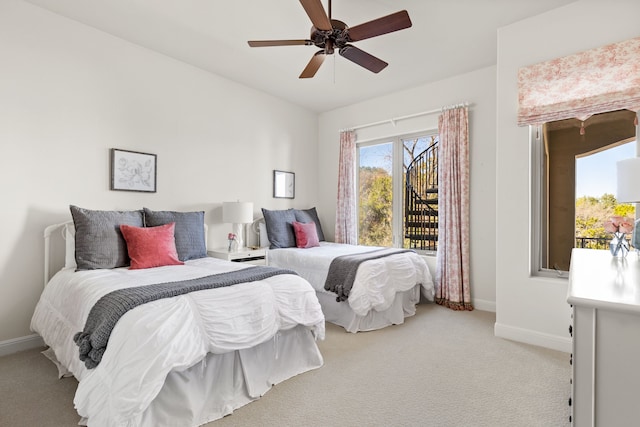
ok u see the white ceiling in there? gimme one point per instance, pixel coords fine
(448, 37)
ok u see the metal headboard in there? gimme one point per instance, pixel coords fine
(47, 246)
(48, 231)
(255, 230)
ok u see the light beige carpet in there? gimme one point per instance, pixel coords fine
(440, 368)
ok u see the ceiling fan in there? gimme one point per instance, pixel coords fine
(330, 34)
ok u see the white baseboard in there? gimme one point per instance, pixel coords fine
(528, 336)
(19, 344)
(484, 305)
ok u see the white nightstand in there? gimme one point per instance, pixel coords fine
(248, 255)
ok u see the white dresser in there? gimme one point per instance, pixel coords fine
(605, 295)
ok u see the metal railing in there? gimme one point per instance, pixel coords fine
(421, 201)
(595, 242)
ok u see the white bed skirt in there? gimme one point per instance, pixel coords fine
(221, 383)
(341, 313)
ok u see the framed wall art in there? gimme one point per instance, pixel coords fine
(284, 185)
(133, 171)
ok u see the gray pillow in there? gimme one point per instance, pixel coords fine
(280, 228)
(189, 231)
(308, 215)
(99, 241)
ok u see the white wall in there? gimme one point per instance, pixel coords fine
(531, 309)
(69, 93)
(479, 89)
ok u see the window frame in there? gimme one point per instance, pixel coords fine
(397, 151)
(537, 206)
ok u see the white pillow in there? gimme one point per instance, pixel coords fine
(69, 235)
(264, 237)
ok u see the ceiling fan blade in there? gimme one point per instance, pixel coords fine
(313, 65)
(363, 58)
(266, 43)
(317, 14)
(377, 27)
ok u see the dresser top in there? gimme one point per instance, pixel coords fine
(598, 279)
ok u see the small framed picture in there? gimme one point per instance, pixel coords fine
(133, 171)
(284, 185)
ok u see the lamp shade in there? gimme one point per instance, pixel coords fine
(237, 212)
(628, 180)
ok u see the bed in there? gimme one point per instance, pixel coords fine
(385, 290)
(180, 361)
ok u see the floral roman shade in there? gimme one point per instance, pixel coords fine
(580, 85)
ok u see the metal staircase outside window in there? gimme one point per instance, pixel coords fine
(421, 201)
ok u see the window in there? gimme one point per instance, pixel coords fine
(562, 216)
(596, 194)
(398, 192)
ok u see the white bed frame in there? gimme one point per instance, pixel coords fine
(197, 389)
(48, 249)
(62, 227)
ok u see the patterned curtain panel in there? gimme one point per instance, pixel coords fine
(346, 208)
(452, 260)
(578, 86)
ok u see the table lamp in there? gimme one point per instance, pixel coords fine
(238, 213)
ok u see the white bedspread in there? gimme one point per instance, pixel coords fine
(376, 282)
(166, 335)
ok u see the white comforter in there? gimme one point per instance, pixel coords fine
(377, 281)
(170, 334)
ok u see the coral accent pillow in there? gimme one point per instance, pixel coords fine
(151, 246)
(306, 234)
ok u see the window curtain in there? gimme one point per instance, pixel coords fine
(452, 260)
(346, 205)
(580, 85)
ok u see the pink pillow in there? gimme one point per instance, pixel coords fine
(306, 234)
(151, 246)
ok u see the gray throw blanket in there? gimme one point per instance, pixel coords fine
(343, 269)
(104, 315)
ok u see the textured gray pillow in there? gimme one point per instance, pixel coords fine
(189, 231)
(280, 228)
(99, 241)
(308, 215)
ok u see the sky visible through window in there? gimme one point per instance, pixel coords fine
(596, 174)
(380, 155)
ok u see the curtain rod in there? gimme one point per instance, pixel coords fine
(393, 120)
